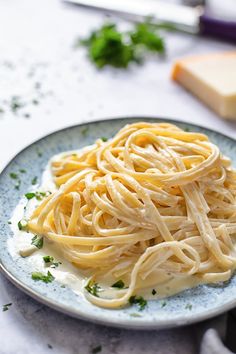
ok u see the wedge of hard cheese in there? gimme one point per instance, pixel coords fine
(212, 78)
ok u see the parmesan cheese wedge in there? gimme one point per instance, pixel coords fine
(212, 78)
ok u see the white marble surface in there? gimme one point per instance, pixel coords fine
(36, 45)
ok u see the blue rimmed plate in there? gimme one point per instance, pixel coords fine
(187, 307)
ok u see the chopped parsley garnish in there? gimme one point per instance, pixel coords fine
(55, 264)
(163, 304)
(9, 222)
(39, 153)
(93, 288)
(134, 314)
(119, 284)
(104, 139)
(97, 349)
(41, 195)
(186, 129)
(22, 224)
(139, 300)
(109, 46)
(189, 307)
(154, 292)
(40, 276)
(30, 195)
(37, 241)
(48, 259)
(37, 195)
(15, 104)
(13, 175)
(6, 307)
(84, 131)
(34, 180)
(22, 170)
(17, 186)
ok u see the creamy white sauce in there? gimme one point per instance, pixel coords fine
(67, 274)
(20, 244)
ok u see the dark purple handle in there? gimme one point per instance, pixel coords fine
(215, 27)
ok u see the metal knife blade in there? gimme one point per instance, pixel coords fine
(184, 18)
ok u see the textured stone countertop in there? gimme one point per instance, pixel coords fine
(58, 87)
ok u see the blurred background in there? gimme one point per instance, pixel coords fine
(47, 84)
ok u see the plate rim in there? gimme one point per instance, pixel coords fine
(123, 323)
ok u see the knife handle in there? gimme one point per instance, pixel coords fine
(217, 28)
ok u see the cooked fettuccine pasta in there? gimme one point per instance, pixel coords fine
(153, 205)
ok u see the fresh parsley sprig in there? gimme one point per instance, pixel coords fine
(109, 46)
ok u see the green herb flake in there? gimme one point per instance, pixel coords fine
(40, 276)
(37, 241)
(119, 284)
(22, 225)
(134, 314)
(84, 131)
(93, 288)
(6, 307)
(17, 186)
(104, 139)
(154, 292)
(163, 304)
(146, 36)
(40, 195)
(189, 307)
(48, 259)
(55, 264)
(39, 153)
(96, 349)
(34, 180)
(9, 222)
(30, 195)
(139, 300)
(50, 346)
(109, 46)
(15, 104)
(13, 175)
(35, 102)
(22, 170)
